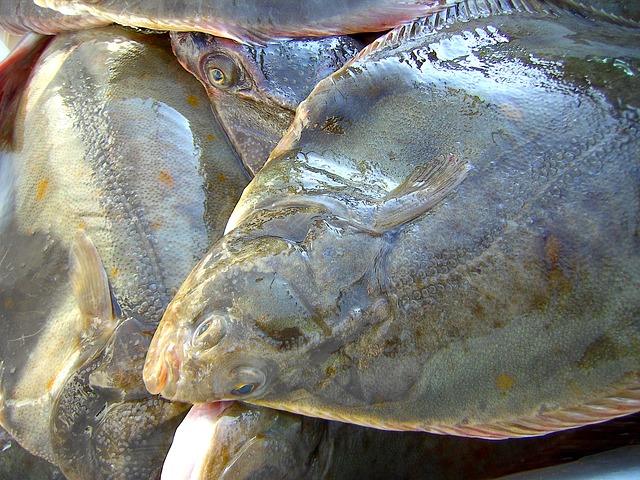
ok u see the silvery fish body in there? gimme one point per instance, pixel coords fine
(118, 181)
(255, 21)
(22, 16)
(447, 239)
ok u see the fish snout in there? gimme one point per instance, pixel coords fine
(162, 366)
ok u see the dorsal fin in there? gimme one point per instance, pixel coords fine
(467, 10)
(14, 75)
(463, 11)
(595, 13)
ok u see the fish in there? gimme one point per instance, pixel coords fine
(118, 180)
(619, 463)
(445, 240)
(16, 462)
(255, 90)
(224, 440)
(24, 16)
(257, 21)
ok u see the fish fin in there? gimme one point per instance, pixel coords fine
(427, 186)
(449, 14)
(119, 373)
(14, 74)
(90, 284)
(623, 401)
(595, 13)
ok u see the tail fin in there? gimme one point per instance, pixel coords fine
(14, 74)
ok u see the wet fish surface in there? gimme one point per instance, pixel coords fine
(225, 440)
(255, 21)
(255, 90)
(446, 239)
(23, 16)
(118, 181)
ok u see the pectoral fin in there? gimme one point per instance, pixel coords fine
(119, 372)
(91, 289)
(14, 74)
(427, 186)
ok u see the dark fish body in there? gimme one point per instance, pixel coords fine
(445, 240)
(118, 180)
(255, 90)
(255, 21)
(239, 441)
(23, 16)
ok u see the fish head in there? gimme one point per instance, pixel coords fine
(238, 326)
(255, 90)
(232, 440)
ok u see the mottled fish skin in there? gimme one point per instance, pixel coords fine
(241, 441)
(119, 174)
(445, 240)
(16, 462)
(23, 16)
(256, 21)
(256, 90)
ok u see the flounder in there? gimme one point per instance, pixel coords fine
(255, 90)
(446, 239)
(118, 181)
(231, 440)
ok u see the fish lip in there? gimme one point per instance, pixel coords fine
(161, 371)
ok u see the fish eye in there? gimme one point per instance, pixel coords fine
(245, 389)
(209, 332)
(222, 72)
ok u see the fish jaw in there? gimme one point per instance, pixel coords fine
(162, 364)
(187, 456)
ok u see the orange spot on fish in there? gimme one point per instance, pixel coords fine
(505, 382)
(50, 383)
(155, 225)
(210, 137)
(41, 189)
(552, 251)
(193, 100)
(222, 178)
(511, 111)
(9, 303)
(115, 271)
(166, 178)
(82, 225)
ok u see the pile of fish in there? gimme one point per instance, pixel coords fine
(364, 239)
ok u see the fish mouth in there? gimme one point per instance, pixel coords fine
(161, 370)
(187, 457)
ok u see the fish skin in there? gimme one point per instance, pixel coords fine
(316, 302)
(16, 462)
(265, 84)
(258, 21)
(24, 16)
(242, 441)
(113, 139)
